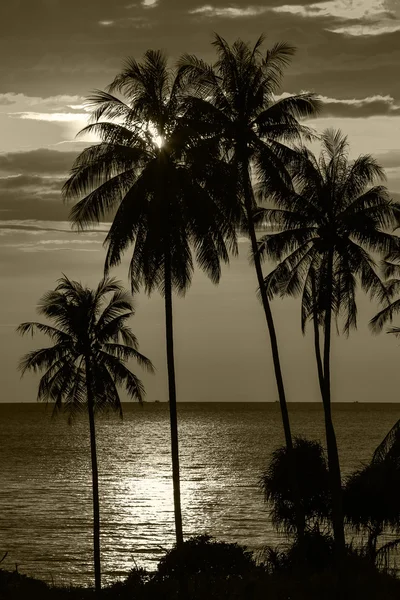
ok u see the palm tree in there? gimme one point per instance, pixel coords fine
(327, 224)
(391, 272)
(236, 101)
(167, 188)
(370, 501)
(84, 367)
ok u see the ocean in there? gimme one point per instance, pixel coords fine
(45, 479)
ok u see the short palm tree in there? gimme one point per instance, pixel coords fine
(86, 364)
(328, 223)
(236, 98)
(371, 506)
(167, 189)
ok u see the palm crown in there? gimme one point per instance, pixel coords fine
(329, 208)
(162, 179)
(236, 99)
(86, 331)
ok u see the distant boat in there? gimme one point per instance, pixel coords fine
(157, 401)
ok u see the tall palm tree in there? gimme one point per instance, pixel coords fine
(327, 225)
(167, 189)
(236, 99)
(86, 364)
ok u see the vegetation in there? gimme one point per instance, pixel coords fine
(86, 363)
(313, 488)
(370, 502)
(328, 224)
(216, 570)
(235, 99)
(167, 187)
(186, 157)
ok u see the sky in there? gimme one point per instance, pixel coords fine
(53, 53)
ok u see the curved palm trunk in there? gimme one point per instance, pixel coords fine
(172, 397)
(95, 484)
(300, 521)
(333, 455)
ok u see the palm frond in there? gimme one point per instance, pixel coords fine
(125, 353)
(387, 444)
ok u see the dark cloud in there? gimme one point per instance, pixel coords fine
(63, 48)
(30, 186)
(24, 204)
(42, 161)
(24, 182)
(31, 182)
(42, 227)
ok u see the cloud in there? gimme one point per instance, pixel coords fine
(81, 55)
(35, 226)
(30, 182)
(4, 101)
(51, 102)
(368, 29)
(52, 245)
(229, 12)
(51, 117)
(351, 18)
(128, 22)
(360, 108)
(341, 9)
(38, 236)
(42, 161)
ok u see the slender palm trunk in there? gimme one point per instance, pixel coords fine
(272, 335)
(300, 521)
(317, 344)
(95, 483)
(333, 455)
(172, 397)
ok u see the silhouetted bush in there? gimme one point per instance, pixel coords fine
(371, 503)
(316, 554)
(203, 554)
(313, 482)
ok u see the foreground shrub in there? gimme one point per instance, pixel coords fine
(313, 482)
(204, 555)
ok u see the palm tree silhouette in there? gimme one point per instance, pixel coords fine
(313, 484)
(371, 507)
(235, 99)
(86, 363)
(391, 272)
(327, 223)
(168, 189)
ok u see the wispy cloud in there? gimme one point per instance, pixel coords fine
(230, 12)
(49, 102)
(38, 226)
(50, 117)
(373, 17)
(377, 105)
(342, 9)
(368, 29)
